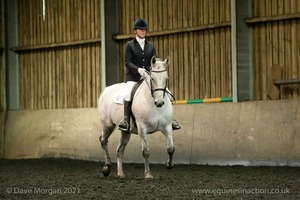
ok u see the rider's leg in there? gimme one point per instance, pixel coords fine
(175, 124)
(124, 125)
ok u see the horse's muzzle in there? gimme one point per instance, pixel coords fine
(159, 103)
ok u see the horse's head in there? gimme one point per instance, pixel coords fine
(158, 80)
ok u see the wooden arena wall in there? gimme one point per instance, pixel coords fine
(276, 30)
(195, 34)
(59, 49)
(59, 52)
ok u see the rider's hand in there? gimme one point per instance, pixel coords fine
(142, 72)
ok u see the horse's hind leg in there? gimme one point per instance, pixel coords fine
(125, 137)
(106, 132)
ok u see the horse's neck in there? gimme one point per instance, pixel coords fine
(145, 90)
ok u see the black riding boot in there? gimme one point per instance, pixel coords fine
(124, 125)
(175, 125)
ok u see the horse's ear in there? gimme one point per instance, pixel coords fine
(167, 61)
(153, 60)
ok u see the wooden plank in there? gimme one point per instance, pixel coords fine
(88, 61)
(92, 17)
(217, 52)
(56, 45)
(287, 90)
(129, 20)
(286, 81)
(51, 79)
(228, 61)
(176, 49)
(255, 43)
(67, 53)
(294, 55)
(169, 25)
(212, 66)
(98, 71)
(201, 51)
(263, 62)
(182, 49)
(64, 59)
(176, 31)
(273, 90)
(281, 38)
(275, 31)
(88, 79)
(39, 55)
(272, 18)
(195, 52)
(269, 45)
(32, 59)
(44, 60)
(93, 78)
(222, 50)
(185, 69)
(207, 52)
(22, 94)
(223, 55)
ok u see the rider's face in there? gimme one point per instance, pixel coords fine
(140, 33)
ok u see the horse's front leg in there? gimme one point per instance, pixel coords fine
(120, 152)
(145, 153)
(170, 146)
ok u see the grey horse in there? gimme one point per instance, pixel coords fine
(152, 110)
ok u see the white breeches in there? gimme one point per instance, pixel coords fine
(127, 90)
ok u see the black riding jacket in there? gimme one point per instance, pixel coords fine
(135, 58)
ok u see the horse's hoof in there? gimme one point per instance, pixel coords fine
(106, 171)
(123, 176)
(148, 176)
(169, 165)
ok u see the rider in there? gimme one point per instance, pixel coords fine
(138, 54)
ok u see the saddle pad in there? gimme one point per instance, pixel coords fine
(119, 98)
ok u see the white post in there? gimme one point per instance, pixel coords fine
(103, 52)
(233, 50)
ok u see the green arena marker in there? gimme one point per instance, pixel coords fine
(226, 99)
(194, 101)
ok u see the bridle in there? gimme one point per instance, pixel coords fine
(157, 89)
(164, 90)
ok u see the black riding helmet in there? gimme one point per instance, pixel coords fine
(140, 24)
